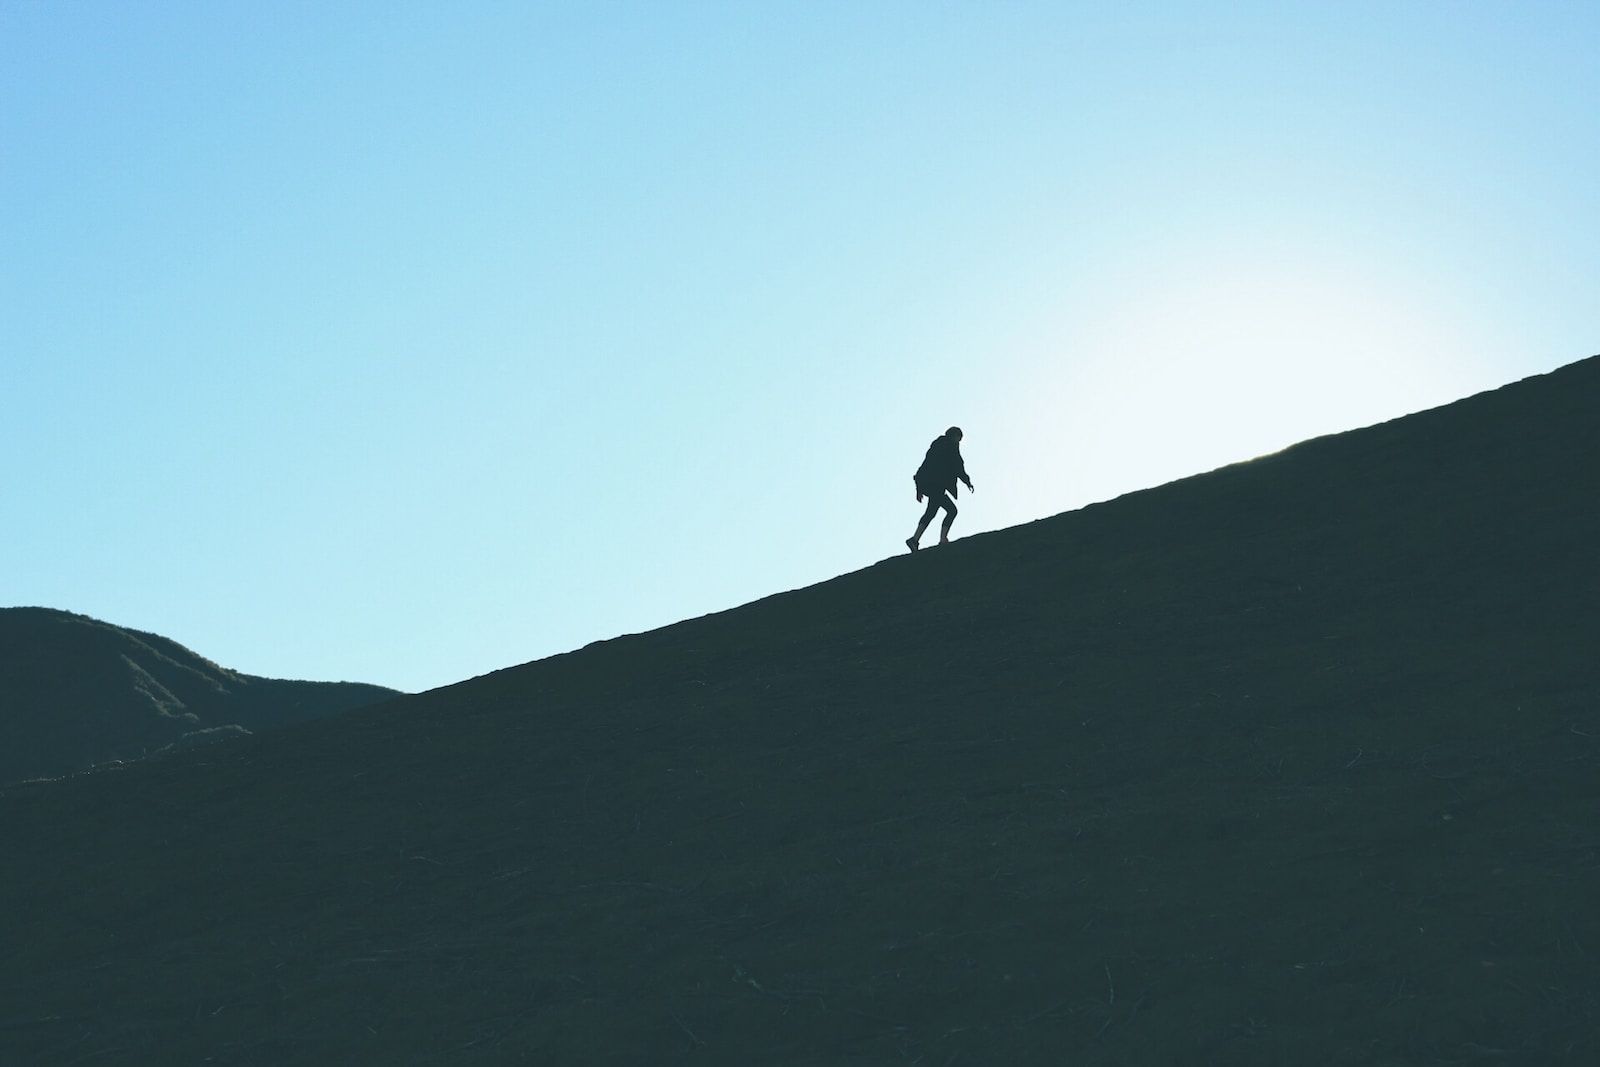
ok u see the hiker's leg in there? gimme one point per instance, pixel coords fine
(949, 519)
(927, 515)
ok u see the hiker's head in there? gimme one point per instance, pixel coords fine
(954, 433)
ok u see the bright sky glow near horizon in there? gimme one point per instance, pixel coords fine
(403, 342)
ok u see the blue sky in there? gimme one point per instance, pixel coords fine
(403, 342)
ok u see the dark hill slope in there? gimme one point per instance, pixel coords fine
(1295, 762)
(75, 692)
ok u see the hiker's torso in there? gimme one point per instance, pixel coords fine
(941, 466)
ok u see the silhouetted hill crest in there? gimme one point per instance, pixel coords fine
(1292, 762)
(76, 692)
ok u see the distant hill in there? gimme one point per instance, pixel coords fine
(1296, 762)
(76, 692)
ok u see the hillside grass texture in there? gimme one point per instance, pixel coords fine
(1295, 762)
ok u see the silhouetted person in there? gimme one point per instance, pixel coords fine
(936, 480)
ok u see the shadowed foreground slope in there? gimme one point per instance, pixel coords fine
(1298, 761)
(75, 691)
